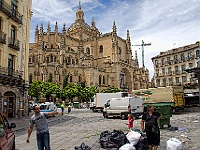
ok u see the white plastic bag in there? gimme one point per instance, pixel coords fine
(133, 137)
(127, 146)
(174, 144)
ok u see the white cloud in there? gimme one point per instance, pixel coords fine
(160, 22)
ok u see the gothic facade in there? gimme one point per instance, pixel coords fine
(83, 54)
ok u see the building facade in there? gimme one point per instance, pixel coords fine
(15, 16)
(170, 66)
(82, 54)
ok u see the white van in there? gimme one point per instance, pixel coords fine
(123, 106)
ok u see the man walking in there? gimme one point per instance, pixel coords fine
(41, 125)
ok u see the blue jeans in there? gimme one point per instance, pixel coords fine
(43, 141)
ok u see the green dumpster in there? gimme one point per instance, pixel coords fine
(165, 108)
(76, 105)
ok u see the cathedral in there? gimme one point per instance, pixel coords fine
(82, 54)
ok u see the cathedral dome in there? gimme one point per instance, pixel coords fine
(78, 25)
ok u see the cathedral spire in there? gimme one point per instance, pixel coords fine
(36, 34)
(136, 54)
(128, 36)
(79, 14)
(64, 28)
(93, 23)
(41, 28)
(79, 5)
(49, 27)
(114, 28)
(56, 27)
(36, 29)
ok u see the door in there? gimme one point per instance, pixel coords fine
(10, 107)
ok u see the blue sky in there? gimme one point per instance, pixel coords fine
(166, 24)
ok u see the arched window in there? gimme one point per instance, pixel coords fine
(55, 59)
(120, 50)
(88, 50)
(50, 77)
(33, 58)
(79, 78)
(68, 61)
(73, 62)
(29, 59)
(51, 45)
(101, 49)
(103, 80)
(51, 58)
(47, 59)
(197, 53)
(100, 80)
(70, 78)
(30, 78)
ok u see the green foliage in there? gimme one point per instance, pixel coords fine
(70, 91)
(43, 88)
(87, 93)
(111, 90)
(35, 89)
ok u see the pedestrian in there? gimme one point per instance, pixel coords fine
(42, 130)
(62, 108)
(130, 122)
(69, 108)
(149, 124)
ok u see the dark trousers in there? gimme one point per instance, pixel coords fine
(43, 141)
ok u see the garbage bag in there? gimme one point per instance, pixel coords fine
(133, 137)
(82, 147)
(113, 139)
(142, 144)
(127, 146)
(174, 144)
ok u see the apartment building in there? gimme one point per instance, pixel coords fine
(15, 16)
(170, 66)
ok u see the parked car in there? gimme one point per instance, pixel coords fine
(7, 135)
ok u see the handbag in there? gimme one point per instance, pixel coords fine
(155, 129)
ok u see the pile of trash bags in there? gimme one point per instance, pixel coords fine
(113, 139)
(118, 139)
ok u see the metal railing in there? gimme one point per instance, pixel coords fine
(14, 43)
(11, 13)
(2, 37)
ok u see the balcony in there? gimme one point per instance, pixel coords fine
(10, 77)
(2, 37)
(13, 14)
(14, 43)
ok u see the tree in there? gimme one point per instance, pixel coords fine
(87, 93)
(35, 89)
(49, 88)
(111, 90)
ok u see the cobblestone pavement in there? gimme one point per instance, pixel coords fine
(87, 126)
